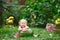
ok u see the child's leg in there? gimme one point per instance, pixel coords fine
(29, 32)
(17, 34)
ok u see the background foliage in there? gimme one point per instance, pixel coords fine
(37, 12)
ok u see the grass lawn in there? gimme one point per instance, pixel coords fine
(6, 34)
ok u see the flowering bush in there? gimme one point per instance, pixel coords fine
(10, 20)
(57, 21)
(50, 27)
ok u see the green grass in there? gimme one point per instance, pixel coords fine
(6, 34)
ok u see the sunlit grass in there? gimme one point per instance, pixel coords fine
(6, 33)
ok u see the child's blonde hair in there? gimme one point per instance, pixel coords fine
(23, 20)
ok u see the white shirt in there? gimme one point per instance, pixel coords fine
(20, 28)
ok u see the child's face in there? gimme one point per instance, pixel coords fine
(23, 23)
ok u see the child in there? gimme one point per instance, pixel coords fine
(22, 28)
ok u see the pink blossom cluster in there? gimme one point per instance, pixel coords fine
(50, 27)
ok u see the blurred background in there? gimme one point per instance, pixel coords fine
(37, 12)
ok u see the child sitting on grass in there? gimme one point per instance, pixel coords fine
(23, 28)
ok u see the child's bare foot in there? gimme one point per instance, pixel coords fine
(15, 36)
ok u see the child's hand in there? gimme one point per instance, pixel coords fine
(24, 30)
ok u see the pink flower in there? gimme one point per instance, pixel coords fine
(50, 27)
(16, 35)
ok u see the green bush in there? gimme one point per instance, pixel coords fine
(37, 12)
(44, 11)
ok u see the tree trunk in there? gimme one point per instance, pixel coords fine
(1, 11)
(21, 2)
(9, 1)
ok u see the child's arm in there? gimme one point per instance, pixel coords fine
(25, 29)
(19, 29)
